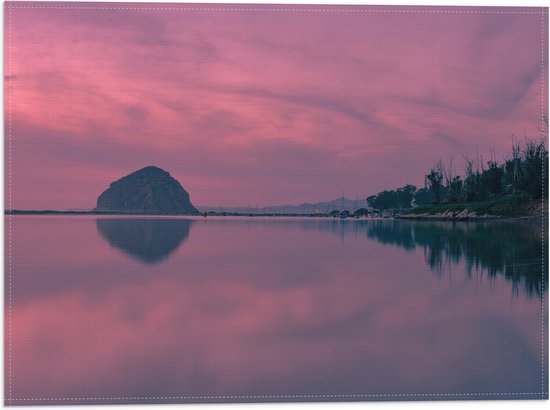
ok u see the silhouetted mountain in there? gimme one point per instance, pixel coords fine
(341, 204)
(148, 240)
(149, 190)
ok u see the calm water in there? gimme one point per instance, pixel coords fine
(173, 310)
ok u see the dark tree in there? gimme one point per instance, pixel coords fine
(434, 182)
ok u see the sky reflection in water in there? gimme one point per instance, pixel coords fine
(142, 307)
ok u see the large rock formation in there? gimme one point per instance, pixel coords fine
(149, 190)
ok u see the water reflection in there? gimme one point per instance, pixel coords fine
(269, 309)
(147, 240)
(512, 249)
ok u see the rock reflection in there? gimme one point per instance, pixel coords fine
(148, 240)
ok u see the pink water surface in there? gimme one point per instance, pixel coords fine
(270, 309)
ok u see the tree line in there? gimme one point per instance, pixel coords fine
(523, 174)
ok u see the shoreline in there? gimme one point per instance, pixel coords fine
(468, 218)
(497, 209)
(442, 216)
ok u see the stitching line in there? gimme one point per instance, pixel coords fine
(284, 10)
(281, 396)
(10, 7)
(543, 181)
(10, 216)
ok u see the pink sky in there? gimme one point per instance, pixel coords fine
(261, 107)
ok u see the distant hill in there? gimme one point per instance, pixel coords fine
(341, 204)
(148, 190)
